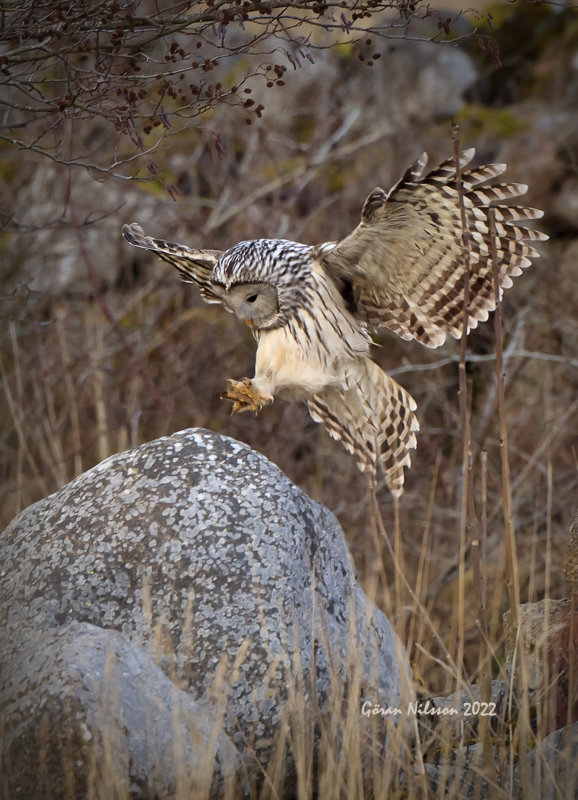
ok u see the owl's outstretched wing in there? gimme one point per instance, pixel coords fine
(403, 266)
(194, 266)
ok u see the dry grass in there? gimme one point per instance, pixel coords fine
(86, 378)
(87, 374)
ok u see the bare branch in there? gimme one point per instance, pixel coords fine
(140, 69)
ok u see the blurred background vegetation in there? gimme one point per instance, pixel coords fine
(209, 123)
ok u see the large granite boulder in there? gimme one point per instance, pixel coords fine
(157, 615)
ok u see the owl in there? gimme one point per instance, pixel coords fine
(312, 308)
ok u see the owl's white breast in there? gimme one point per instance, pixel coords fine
(284, 367)
(314, 350)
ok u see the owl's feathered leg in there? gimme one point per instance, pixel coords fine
(246, 396)
(374, 419)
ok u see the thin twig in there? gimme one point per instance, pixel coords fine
(474, 358)
(511, 558)
(479, 553)
(510, 543)
(465, 515)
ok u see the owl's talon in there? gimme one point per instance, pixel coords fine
(245, 396)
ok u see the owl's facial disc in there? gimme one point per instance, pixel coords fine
(256, 304)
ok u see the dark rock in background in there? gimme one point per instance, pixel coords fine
(85, 705)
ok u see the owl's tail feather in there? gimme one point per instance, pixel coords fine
(374, 419)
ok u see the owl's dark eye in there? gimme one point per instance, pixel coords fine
(252, 298)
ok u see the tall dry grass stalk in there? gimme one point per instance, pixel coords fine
(466, 482)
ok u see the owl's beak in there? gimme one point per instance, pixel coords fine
(249, 322)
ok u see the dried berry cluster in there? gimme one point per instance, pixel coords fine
(144, 71)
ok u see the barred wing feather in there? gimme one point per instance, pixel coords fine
(373, 417)
(194, 266)
(405, 260)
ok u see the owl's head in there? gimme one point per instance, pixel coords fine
(263, 281)
(255, 303)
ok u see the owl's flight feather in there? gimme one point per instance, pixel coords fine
(374, 419)
(405, 260)
(194, 266)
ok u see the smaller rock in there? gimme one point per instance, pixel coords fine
(455, 723)
(539, 623)
(463, 782)
(552, 764)
(103, 700)
(571, 559)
